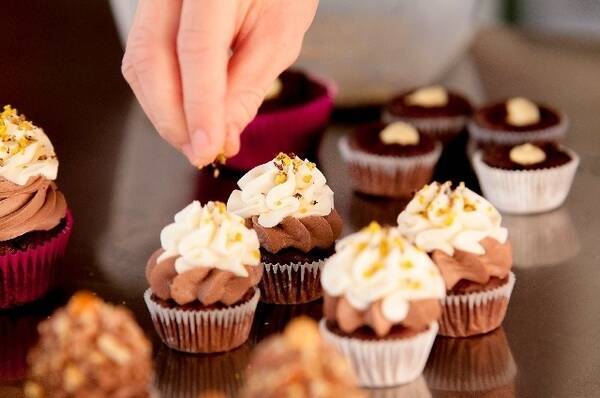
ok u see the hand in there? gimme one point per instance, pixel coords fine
(201, 68)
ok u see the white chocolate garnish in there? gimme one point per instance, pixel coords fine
(399, 133)
(428, 97)
(527, 154)
(274, 90)
(521, 112)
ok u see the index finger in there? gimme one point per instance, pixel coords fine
(205, 32)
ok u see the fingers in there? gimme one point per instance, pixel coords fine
(150, 67)
(260, 55)
(205, 33)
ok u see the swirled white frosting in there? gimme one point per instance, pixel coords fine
(399, 133)
(527, 154)
(25, 150)
(428, 97)
(209, 236)
(285, 187)
(377, 263)
(439, 218)
(521, 112)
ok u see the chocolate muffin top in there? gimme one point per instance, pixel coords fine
(494, 117)
(367, 138)
(539, 155)
(457, 105)
(296, 89)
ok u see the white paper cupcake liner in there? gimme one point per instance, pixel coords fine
(392, 176)
(415, 389)
(384, 363)
(526, 191)
(292, 283)
(203, 331)
(439, 128)
(542, 239)
(489, 136)
(471, 314)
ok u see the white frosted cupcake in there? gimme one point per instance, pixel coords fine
(203, 293)
(382, 302)
(526, 178)
(290, 206)
(462, 233)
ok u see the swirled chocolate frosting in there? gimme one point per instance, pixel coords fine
(421, 314)
(36, 206)
(495, 262)
(303, 234)
(205, 284)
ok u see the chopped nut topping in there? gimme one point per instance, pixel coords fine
(72, 378)
(113, 349)
(280, 177)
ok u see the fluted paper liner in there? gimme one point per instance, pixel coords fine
(28, 274)
(391, 176)
(486, 363)
(485, 135)
(471, 314)
(292, 283)
(526, 191)
(441, 128)
(203, 331)
(384, 363)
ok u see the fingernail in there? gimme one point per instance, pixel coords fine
(200, 142)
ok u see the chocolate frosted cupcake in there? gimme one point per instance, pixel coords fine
(34, 222)
(298, 363)
(290, 206)
(462, 232)
(526, 178)
(435, 111)
(203, 294)
(481, 366)
(90, 349)
(515, 121)
(389, 160)
(382, 302)
(292, 117)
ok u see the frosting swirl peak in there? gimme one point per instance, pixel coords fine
(25, 150)
(440, 218)
(285, 187)
(376, 266)
(210, 237)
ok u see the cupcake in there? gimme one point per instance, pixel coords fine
(482, 366)
(292, 117)
(203, 295)
(34, 221)
(290, 206)
(298, 363)
(462, 233)
(526, 178)
(435, 111)
(90, 349)
(391, 160)
(415, 389)
(382, 303)
(515, 121)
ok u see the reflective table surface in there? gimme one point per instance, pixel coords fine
(124, 184)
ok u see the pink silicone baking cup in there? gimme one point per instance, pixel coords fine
(294, 129)
(28, 274)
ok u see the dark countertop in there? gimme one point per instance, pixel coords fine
(124, 184)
